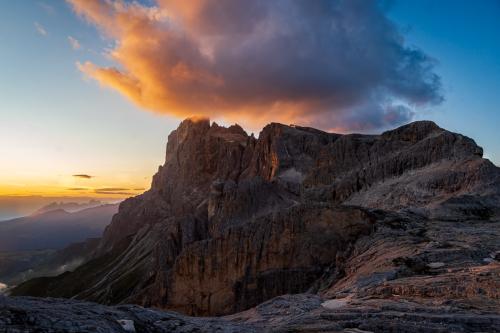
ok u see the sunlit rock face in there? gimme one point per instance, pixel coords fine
(232, 220)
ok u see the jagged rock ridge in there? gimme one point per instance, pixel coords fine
(231, 220)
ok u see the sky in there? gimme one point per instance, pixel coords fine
(89, 89)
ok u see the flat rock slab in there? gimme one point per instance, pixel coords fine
(436, 264)
(335, 303)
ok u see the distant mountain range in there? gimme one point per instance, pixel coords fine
(54, 229)
(68, 206)
(19, 206)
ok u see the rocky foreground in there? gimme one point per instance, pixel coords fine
(288, 313)
(398, 232)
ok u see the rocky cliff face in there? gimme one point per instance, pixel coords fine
(231, 220)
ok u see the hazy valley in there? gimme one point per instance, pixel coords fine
(52, 240)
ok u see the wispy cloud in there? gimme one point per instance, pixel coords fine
(108, 190)
(117, 190)
(325, 63)
(40, 29)
(75, 44)
(47, 8)
(83, 176)
(113, 192)
(111, 189)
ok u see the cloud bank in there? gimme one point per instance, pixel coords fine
(334, 64)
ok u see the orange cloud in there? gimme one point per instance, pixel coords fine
(326, 63)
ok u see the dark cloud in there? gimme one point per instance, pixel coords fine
(83, 176)
(77, 189)
(336, 64)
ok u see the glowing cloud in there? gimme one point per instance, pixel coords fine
(332, 64)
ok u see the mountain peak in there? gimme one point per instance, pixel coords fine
(414, 131)
(232, 220)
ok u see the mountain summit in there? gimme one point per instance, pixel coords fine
(232, 220)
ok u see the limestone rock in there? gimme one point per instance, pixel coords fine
(232, 220)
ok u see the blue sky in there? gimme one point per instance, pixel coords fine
(464, 37)
(55, 122)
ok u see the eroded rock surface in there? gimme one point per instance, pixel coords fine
(30, 315)
(288, 313)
